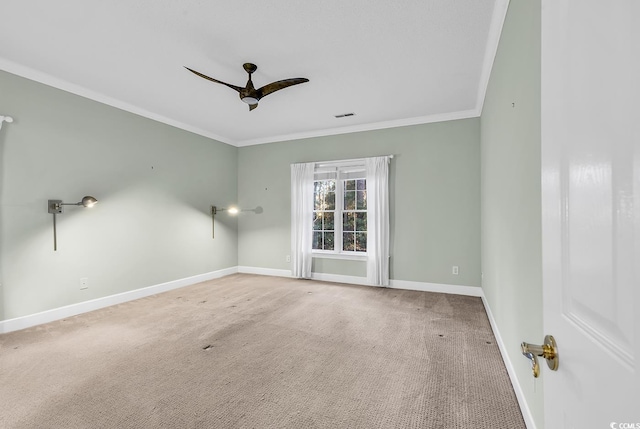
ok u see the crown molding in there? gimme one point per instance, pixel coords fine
(363, 127)
(493, 40)
(54, 82)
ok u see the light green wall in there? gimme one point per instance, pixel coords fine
(450, 183)
(434, 199)
(511, 205)
(154, 184)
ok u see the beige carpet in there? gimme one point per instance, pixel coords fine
(248, 351)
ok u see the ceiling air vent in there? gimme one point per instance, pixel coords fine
(344, 115)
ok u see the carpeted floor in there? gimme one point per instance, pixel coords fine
(248, 351)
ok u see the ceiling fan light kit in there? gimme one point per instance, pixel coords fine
(249, 94)
(250, 100)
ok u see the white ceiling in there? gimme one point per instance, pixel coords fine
(391, 62)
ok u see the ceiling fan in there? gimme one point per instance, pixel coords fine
(249, 94)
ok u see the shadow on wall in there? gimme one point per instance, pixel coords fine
(392, 212)
(141, 225)
(3, 120)
(224, 214)
(142, 203)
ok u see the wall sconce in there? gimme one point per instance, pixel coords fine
(214, 211)
(232, 210)
(55, 207)
(7, 119)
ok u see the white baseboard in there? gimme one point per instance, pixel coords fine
(436, 287)
(517, 387)
(357, 280)
(338, 278)
(335, 278)
(264, 271)
(95, 304)
(424, 287)
(24, 322)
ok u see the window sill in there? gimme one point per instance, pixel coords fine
(345, 256)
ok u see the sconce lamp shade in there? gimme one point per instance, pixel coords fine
(7, 119)
(88, 201)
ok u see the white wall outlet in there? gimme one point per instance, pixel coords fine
(454, 270)
(84, 283)
(287, 258)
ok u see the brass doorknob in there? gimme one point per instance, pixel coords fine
(548, 350)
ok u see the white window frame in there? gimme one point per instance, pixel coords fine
(340, 169)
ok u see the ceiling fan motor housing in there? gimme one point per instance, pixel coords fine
(249, 94)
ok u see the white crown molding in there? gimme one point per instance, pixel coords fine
(46, 79)
(363, 127)
(24, 322)
(64, 85)
(493, 40)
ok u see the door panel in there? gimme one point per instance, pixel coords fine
(591, 210)
(597, 224)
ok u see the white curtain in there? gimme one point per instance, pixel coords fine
(377, 174)
(301, 219)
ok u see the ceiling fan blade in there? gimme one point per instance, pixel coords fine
(252, 106)
(281, 84)
(237, 88)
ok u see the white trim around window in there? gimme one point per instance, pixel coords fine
(340, 172)
(351, 256)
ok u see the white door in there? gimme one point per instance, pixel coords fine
(591, 211)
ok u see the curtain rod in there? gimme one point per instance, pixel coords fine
(345, 161)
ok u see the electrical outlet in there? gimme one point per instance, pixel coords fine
(287, 258)
(454, 270)
(84, 283)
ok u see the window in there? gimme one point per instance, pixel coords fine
(340, 209)
(340, 212)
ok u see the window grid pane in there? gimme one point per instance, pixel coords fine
(323, 215)
(329, 240)
(348, 241)
(354, 216)
(361, 241)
